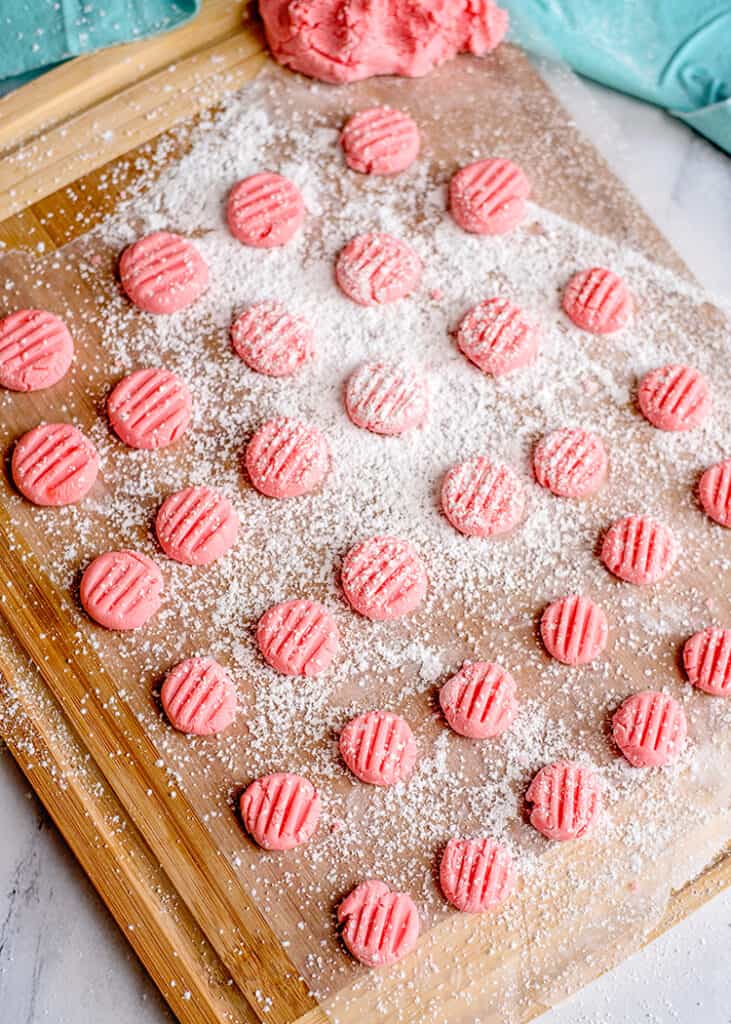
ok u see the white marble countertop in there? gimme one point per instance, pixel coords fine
(63, 960)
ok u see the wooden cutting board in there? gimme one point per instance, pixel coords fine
(73, 141)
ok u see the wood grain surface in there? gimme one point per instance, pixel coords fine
(74, 142)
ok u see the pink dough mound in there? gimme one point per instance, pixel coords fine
(344, 41)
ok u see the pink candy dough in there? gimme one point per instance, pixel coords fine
(346, 40)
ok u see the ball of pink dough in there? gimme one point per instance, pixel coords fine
(339, 41)
(150, 409)
(280, 811)
(566, 800)
(265, 210)
(163, 273)
(121, 589)
(379, 748)
(196, 526)
(488, 197)
(476, 875)
(479, 701)
(380, 141)
(377, 268)
(383, 578)
(298, 638)
(365, 915)
(36, 350)
(650, 729)
(54, 464)
(198, 697)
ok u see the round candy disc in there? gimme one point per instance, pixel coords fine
(639, 549)
(54, 464)
(36, 349)
(150, 409)
(488, 197)
(380, 141)
(481, 498)
(286, 459)
(272, 341)
(597, 300)
(383, 578)
(566, 800)
(386, 399)
(121, 589)
(476, 874)
(379, 926)
(265, 210)
(479, 701)
(298, 638)
(280, 811)
(163, 273)
(379, 748)
(574, 630)
(571, 463)
(715, 492)
(196, 526)
(707, 660)
(377, 268)
(674, 398)
(497, 337)
(650, 729)
(198, 697)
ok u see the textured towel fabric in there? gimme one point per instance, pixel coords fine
(674, 53)
(34, 33)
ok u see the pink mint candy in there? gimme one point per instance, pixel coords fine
(566, 799)
(597, 300)
(383, 578)
(377, 268)
(380, 927)
(272, 341)
(198, 697)
(379, 748)
(707, 660)
(674, 397)
(639, 549)
(481, 498)
(715, 492)
(265, 210)
(196, 526)
(163, 273)
(574, 630)
(286, 458)
(476, 874)
(36, 349)
(386, 399)
(571, 463)
(479, 701)
(650, 729)
(54, 464)
(488, 197)
(498, 337)
(280, 811)
(150, 409)
(298, 638)
(121, 589)
(380, 141)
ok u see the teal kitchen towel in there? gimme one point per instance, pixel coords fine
(34, 33)
(674, 53)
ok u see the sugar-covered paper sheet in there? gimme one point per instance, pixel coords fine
(584, 905)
